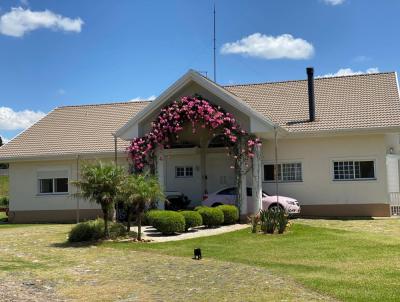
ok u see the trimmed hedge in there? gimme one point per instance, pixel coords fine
(149, 216)
(168, 222)
(93, 230)
(231, 213)
(192, 219)
(212, 217)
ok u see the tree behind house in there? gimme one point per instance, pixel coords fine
(99, 183)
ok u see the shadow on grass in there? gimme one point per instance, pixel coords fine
(67, 244)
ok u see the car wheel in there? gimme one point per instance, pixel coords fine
(216, 204)
(275, 208)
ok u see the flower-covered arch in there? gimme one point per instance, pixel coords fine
(198, 112)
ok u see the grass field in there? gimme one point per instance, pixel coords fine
(37, 265)
(317, 260)
(351, 260)
(3, 185)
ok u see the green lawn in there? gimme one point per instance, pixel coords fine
(355, 260)
(37, 265)
(3, 185)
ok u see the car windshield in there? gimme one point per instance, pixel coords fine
(265, 193)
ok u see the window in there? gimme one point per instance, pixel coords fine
(180, 172)
(287, 172)
(61, 185)
(189, 171)
(53, 182)
(184, 171)
(46, 185)
(353, 170)
(53, 185)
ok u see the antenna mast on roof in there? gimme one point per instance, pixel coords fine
(215, 62)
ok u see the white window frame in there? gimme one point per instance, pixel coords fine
(353, 179)
(53, 170)
(185, 171)
(280, 164)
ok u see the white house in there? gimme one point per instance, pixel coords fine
(337, 141)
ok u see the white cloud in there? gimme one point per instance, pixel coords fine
(61, 91)
(270, 47)
(24, 2)
(19, 21)
(334, 2)
(137, 99)
(348, 71)
(14, 120)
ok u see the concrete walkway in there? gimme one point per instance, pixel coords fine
(155, 236)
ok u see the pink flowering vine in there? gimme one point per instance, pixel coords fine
(169, 123)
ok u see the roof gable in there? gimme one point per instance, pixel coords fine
(258, 122)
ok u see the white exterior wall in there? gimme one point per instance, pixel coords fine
(317, 156)
(24, 188)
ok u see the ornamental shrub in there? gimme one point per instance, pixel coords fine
(4, 201)
(87, 231)
(212, 217)
(231, 213)
(199, 207)
(192, 219)
(168, 222)
(117, 230)
(93, 230)
(149, 216)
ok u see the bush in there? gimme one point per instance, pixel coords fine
(93, 230)
(117, 230)
(192, 219)
(282, 220)
(149, 216)
(87, 231)
(4, 201)
(268, 220)
(212, 217)
(199, 207)
(231, 213)
(168, 222)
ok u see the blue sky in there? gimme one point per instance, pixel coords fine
(55, 53)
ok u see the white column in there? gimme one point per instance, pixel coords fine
(204, 141)
(257, 178)
(243, 190)
(161, 170)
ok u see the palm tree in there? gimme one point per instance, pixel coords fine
(140, 191)
(99, 183)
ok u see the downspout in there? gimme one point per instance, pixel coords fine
(116, 165)
(115, 149)
(276, 163)
(77, 196)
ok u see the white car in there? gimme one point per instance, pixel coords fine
(228, 196)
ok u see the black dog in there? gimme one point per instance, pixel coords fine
(197, 254)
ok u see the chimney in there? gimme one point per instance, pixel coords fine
(311, 95)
